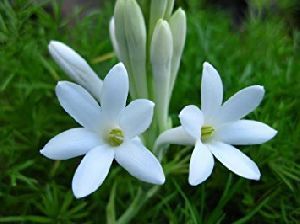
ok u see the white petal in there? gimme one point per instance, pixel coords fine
(191, 119)
(92, 171)
(76, 67)
(113, 36)
(136, 117)
(79, 104)
(115, 91)
(235, 160)
(140, 162)
(176, 136)
(244, 132)
(241, 104)
(201, 164)
(71, 143)
(211, 91)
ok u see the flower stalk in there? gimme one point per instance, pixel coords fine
(142, 197)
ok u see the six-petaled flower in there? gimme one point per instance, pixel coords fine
(216, 127)
(108, 132)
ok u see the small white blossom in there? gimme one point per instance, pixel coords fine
(216, 127)
(108, 132)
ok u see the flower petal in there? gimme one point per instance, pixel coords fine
(114, 91)
(241, 104)
(71, 143)
(136, 117)
(140, 162)
(244, 132)
(191, 119)
(79, 104)
(176, 136)
(76, 67)
(92, 171)
(235, 160)
(211, 91)
(201, 164)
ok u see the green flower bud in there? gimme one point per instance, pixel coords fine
(130, 34)
(113, 37)
(157, 11)
(178, 28)
(161, 57)
(169, 9)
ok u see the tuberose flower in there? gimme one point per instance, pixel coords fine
(108, 132)
(216, 127)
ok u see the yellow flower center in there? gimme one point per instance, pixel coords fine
(206, 133)
(115, 137)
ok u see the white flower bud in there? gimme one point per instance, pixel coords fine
(157, 11)
(161, 56)
(169, 8)
(76, 67)
(113, 36)
(130, 33)
(178, 28)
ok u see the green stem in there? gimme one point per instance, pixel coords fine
(140, 199)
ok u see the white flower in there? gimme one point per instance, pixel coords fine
(108, 133)
(216, 127)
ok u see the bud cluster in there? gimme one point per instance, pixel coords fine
(151, 50)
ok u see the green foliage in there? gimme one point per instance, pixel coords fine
(34, 189)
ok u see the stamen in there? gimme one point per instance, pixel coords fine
(115, 137)
(206, 132)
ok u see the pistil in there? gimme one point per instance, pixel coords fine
(115, 137)
(206, 133)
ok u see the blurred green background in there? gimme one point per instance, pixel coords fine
(249, 42)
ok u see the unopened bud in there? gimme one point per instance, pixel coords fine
(169, 9)
(113, 37)
(178, 28)
(130, 33)
(76, 67)
(161, 56)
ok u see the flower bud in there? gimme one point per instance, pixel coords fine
(161, 56)
(76, 67)
(169, 9)
(113, 36)
(157, 11)
(130, 33)
(178, 28)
